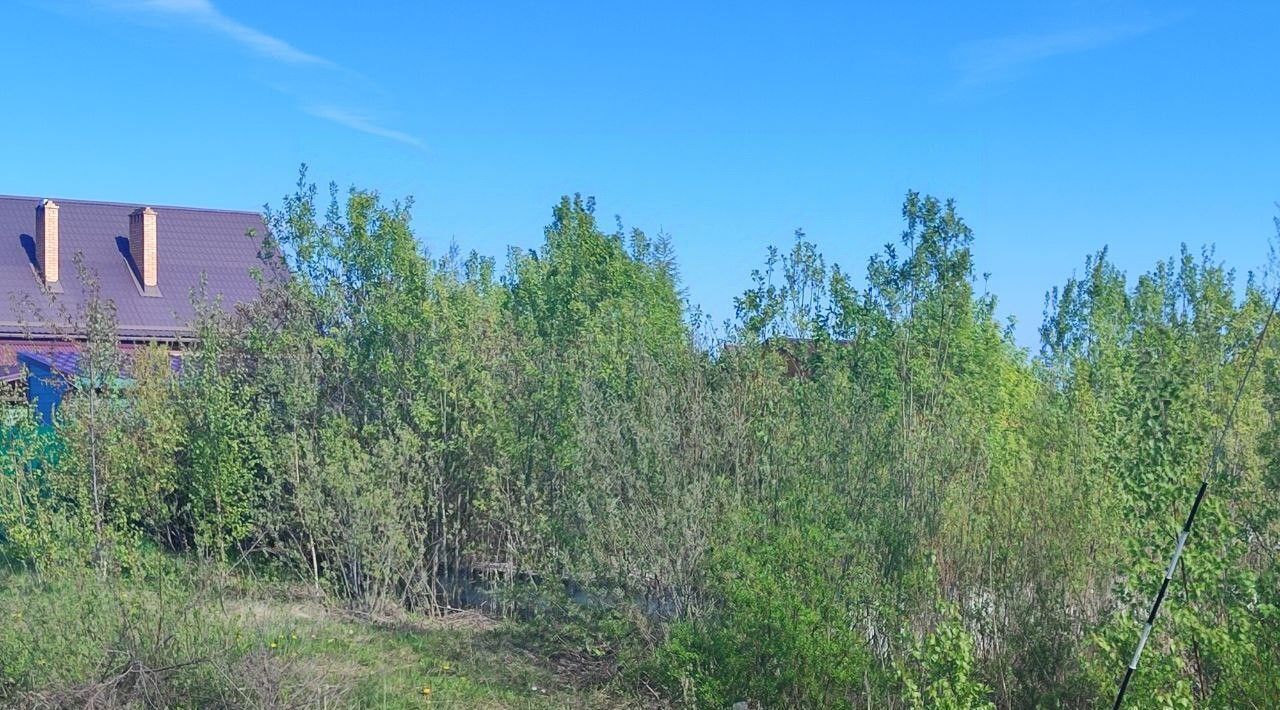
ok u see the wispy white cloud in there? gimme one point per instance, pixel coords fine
(363, 123)
(206, 15)
(1000, 59)
(203, 13)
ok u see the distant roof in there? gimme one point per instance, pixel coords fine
(57, 355)
(64, 362)
(190, 243)
(11, 368)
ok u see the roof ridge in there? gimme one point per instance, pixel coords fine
(65, 200)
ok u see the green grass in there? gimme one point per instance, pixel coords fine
(464, 661)
(182, 635)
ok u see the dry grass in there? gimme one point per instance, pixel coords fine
(259, 647)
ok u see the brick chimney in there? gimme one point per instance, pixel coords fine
(142, 246)
(47, 240)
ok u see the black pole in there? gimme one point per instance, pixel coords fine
(1214, 461)
(1164, 589)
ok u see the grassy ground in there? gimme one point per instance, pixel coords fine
(183, 639)
(461, 660)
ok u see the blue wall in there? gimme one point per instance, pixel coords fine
(44, 388)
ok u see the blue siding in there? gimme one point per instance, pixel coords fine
(44, 388)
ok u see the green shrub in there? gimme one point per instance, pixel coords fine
(788, 629)
(941, 671)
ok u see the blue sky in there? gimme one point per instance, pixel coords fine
(1059, 128)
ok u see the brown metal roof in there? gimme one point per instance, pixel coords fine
(191, 244)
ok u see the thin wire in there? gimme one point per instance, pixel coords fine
(1214, 462)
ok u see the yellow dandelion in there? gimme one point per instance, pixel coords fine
(426, 690)
(273, 644)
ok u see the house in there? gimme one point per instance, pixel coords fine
(148, 261)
